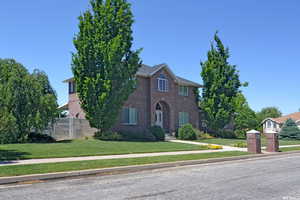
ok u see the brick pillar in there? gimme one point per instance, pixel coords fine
(272, 141)
(253, 141)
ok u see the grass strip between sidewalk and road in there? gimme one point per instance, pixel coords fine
(18, 170)
(286, 149)
(232, 142)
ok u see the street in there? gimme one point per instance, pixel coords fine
(273, 178)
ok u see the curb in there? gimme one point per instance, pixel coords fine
(131, 169)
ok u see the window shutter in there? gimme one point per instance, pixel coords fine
(157, 84)
(167, 85)
(125, 116)
(132, 116)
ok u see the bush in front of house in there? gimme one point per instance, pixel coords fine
(240, 134)
(109, 136)
(290, 130)
(187, 132)
(145, 136)
(227, 134)
(157, 132)
(40, 138)
(202, 135)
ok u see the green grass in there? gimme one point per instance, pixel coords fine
(17, 170)
(88, 147)
(231, 142)
(290, 149)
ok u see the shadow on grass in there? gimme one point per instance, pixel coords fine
(7, 155)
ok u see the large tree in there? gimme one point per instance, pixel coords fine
(221, 86)
(268, 112)
(244, 117)
(104, 65)
(26, 102)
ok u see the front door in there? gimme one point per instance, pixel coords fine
(159, 118)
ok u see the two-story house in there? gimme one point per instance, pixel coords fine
(161, 98)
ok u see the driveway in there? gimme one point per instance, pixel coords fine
(267, 179)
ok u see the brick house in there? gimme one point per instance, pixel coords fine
(161, 98)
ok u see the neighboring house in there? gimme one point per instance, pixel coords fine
(161, 99)
(275, 124)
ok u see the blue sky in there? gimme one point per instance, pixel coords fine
(263, 37)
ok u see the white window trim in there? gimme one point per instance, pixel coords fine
(183, 121)
(182, 93)
(130, 110)
(166, 89)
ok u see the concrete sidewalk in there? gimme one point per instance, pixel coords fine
(85, 158)
(228, 148)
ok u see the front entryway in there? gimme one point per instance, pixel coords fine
(159, 116)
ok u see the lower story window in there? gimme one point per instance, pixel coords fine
(183, 118)
(129, 116)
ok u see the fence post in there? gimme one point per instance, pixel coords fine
(254, 141)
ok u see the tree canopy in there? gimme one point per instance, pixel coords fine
(245, 118)
(221, 87)
(104, 65)
(27, 102)
(268, 112)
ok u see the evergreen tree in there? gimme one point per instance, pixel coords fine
(221, 86)
(104, 65)
(290, 130)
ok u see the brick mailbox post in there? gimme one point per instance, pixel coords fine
(253, 141)
(272, 141)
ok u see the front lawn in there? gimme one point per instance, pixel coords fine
(90, 147)
(285, 149)
(231, 142)
(17, 170)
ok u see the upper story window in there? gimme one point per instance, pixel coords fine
(162, 83)
(183, 90)
(72, 87)
(269, 124)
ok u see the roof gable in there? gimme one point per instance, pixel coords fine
(280, 120)
(147, 71)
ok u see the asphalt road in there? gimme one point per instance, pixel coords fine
(267, 178)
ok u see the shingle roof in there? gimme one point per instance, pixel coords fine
(294, 116)
(148, 71)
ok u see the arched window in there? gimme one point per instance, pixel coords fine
(158, 106)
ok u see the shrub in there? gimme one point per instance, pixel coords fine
(240, 144)
(289, 130)
(125, 136)
(187, 132)
(241, 134)
(40, 138)
(157, 132)
(202, 135)
(145, 136)
(109, 136)
(227, 134)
